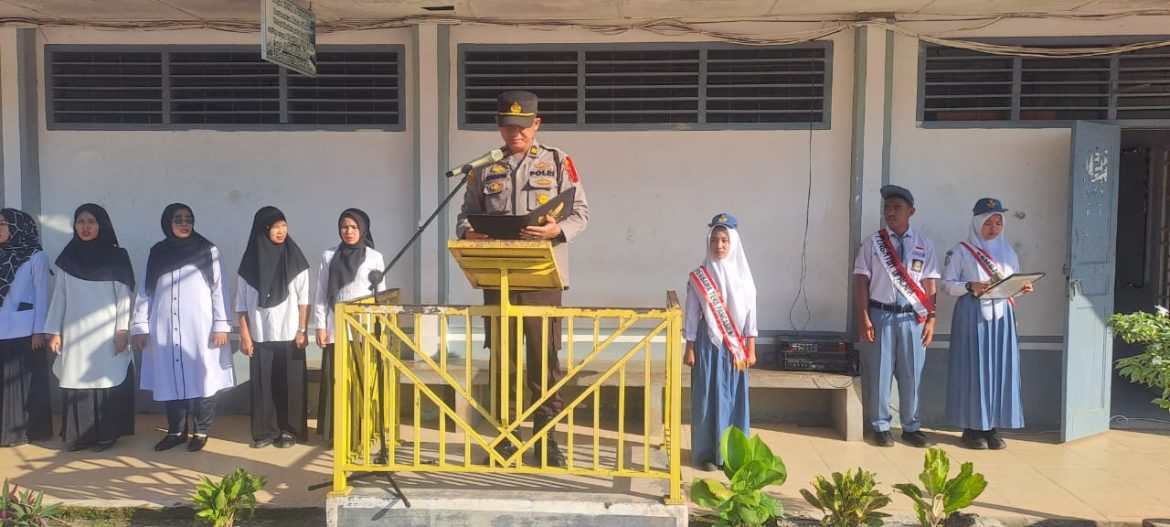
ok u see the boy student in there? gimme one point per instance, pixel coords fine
(895, 273)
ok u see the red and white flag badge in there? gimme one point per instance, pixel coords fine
(571, 170)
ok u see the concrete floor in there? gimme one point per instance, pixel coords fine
(1119, 476)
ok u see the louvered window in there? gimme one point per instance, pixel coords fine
(967, 86)
(652, 86)
(220, 87)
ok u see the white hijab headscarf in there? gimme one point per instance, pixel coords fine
(1000, 250)
(734, 279)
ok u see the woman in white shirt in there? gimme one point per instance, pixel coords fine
(24, 302)
(344, 275)
(272, 303)
(88, 328)
(181, 323)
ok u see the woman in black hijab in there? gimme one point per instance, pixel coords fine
(344, 275)
(24, 302)
(272, 305)
(88, 327)
(181, 323)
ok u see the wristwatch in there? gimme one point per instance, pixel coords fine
(304, 331)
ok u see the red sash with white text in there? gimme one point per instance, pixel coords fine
(718, 311)
(903, 282)
(988, 264)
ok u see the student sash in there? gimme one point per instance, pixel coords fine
(903, 282)
(717, 310)
(988, 264)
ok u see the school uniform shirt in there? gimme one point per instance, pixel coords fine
(693, 317)
(920, 262)
(280, 322)
(180, 362)
(27, 304)
(359, 287)
(87, 314)
(961, 267)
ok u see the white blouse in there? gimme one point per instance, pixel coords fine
(30, 287)
(277, 323)
(87, 315)
(359, 287)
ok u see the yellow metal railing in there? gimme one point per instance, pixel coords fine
(419, 392)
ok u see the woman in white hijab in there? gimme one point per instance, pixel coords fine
(983, 378)
(720, 330)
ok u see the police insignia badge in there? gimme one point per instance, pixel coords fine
(495, 187)
(541, 164)
(571, 169)
(515, 108)
(533, 151)
(916, 266)
(542, 199)
(544, 182)
(497, 169)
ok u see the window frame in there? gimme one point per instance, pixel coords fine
(1015, 121)
(702, 47)
(166, 49)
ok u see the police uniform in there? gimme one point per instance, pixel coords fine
(517, 185)
(897, 350)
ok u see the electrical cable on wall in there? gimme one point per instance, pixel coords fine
(800, 290)
(677, 27)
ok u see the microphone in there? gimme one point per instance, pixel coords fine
(477, 163)
(375, 277)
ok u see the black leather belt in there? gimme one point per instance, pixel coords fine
(892, 308)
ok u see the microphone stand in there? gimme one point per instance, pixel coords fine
(462, 181)
(375, 277)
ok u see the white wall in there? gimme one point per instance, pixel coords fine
(225, 176)
(651, 194)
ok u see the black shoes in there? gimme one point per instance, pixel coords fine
(197, 443)
(994, 441)
(102, 447)
(170, 441)
(915, 439)
(708, 466)
(286, 440)
(553, 454)
(261, 443)
(974, 439)
(883, 438)
(505, 449)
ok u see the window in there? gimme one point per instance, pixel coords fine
(652, 86)
(963, 86)
(220, 87)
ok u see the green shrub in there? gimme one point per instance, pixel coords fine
(1152, 367)
(218, 503)
(751, 466)
(849, 500)
(25, 509)
(941, 496)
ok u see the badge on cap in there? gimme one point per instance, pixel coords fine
(515, 108)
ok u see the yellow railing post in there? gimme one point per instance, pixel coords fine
(341, 402)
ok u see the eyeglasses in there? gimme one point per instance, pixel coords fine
(183, 220)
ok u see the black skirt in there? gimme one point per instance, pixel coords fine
(24, 394)
(98, 415)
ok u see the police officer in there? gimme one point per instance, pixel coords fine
(895, 275)
(529, 176)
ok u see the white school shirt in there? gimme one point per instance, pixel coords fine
(920, 262)
(695, 313)
(30, 286)
(87, 314)
(359, 287)
(961, 267)
(278, 323)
